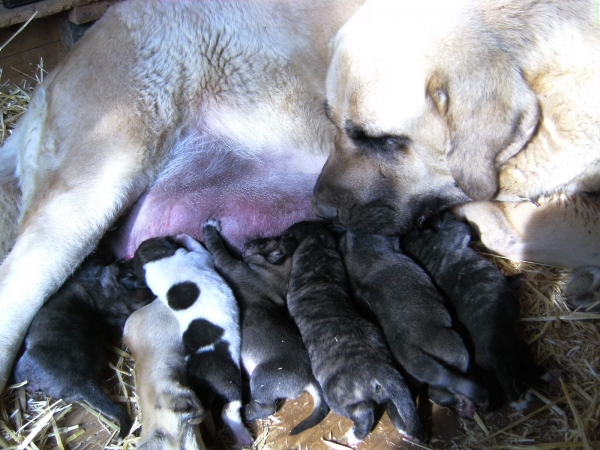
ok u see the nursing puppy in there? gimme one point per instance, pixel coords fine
(484, 301)
(348, 354)
(416, 324)
(170, 409)
(181, 273)
(273, 354)
(63, 353)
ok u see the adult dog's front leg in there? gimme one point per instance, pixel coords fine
(560, 230)
(76, 178)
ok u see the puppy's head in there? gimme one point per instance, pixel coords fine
(122, 292)
(428, 106)
(271, 258)
(151, 250)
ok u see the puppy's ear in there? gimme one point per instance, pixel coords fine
(127, 276)
(491, 114)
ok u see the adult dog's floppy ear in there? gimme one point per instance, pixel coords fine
(491, 114)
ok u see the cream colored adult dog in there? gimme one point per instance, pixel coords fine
(210, 109)
(496, 101)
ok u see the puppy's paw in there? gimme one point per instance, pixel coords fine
(464, 405)
(216, 224)
(255, 410)
(522, 403)
(515, 381)
(583, 288)
(182, 401)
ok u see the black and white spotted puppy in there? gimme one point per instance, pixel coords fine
(484, 301)
(415, 321)
(273, 354)
(63, 350)
(181, 272)
(348, 354)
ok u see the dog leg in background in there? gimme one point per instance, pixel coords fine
(562, 230)
(170, 409)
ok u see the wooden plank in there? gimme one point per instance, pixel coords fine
(40, 39)
(37, 33)
(47, 7)
(89, 13)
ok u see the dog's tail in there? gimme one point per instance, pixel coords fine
(320, 410)
(401, 407)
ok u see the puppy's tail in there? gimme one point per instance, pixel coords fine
(320, 410)
(97, 398)
(401, 406)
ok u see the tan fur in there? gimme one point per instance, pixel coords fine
(497, 97)
(101, 125)
(169, 408)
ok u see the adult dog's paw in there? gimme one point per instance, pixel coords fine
(583, 288)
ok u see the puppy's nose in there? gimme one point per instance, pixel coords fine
(324, 210)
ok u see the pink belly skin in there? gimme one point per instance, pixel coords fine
(257, 197)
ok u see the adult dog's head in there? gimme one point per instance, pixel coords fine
(429, 103)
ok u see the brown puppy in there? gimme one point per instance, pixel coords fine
(170, 409)
(444, 102)
(348, 354)
(416, 324)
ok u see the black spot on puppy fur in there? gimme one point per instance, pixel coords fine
(183, 295)
(201, 333)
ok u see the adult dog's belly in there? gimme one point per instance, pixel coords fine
(252, 195)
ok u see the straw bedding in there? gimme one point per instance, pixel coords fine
(565, 417)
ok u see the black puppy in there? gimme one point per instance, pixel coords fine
(414, 319)
(272, 350)
(484, 301)
(348, 354)
(63, 353)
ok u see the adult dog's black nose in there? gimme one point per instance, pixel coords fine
(324, 210)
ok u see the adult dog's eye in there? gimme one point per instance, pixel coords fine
(385, 143)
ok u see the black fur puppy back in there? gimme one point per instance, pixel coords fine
(63, 352)
(485, 303)
(348, 354)
(412, 313)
